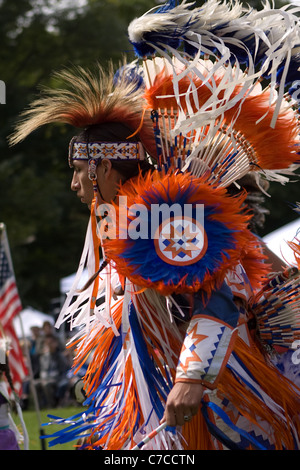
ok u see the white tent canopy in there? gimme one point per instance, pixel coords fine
(277, 240)
(28, 318)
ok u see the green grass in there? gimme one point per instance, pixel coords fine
(33, 428)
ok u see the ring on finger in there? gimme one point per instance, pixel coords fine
(187, 417)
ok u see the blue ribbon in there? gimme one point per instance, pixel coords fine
(220, 435)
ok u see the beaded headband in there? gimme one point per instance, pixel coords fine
(110, 150)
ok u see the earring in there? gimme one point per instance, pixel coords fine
(92, 170)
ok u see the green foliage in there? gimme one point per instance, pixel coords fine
(45, 222)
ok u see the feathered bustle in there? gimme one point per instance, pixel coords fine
(216, 121)
(269, 38)
(264, 43)
(138, 259)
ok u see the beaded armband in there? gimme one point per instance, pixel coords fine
(206, 349)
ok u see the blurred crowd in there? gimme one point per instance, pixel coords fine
(51, 364)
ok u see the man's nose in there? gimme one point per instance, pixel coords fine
(74, 184)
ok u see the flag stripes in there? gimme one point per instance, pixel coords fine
(10, 307)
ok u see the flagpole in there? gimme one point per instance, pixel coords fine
(4, 240)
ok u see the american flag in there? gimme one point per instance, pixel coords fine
(10, 307)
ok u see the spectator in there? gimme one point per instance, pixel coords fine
(49, 329)
(36, 344)
(54, 365)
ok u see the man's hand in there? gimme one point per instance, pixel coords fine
(182, 403)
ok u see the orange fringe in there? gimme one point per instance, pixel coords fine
(196, 435)
(279, 388)
(123, 430)
(88, 346)
(129, 416)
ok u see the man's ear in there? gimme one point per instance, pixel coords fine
(106, 167)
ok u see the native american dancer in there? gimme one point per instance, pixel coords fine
(160, 146)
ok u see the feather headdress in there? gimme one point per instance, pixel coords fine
(87, 97)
